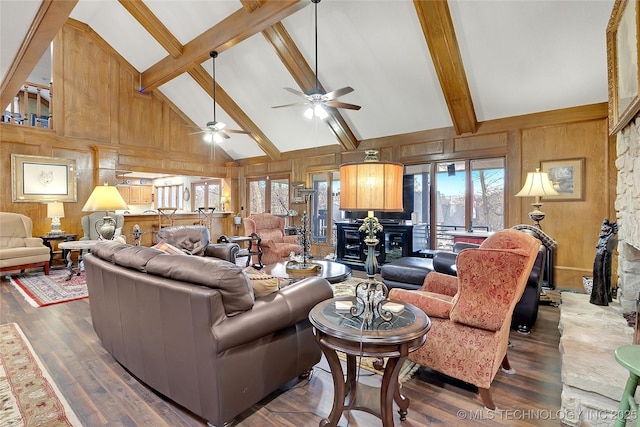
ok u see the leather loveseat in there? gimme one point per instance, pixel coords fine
(190, 327)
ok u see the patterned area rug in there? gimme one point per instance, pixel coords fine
(346, 288)
(343, 289)
(28, 395)
(40, 290)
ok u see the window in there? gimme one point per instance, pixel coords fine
(450, 200)
(487, 203)
(324, 206)
(268, 191)
(467, 193)
(169, 196)
(206, 194)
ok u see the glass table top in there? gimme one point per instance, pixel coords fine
(334, 317)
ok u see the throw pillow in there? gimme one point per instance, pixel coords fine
(170, 249)
(262, 283)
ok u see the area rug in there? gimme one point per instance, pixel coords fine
(28, 395)
(347, 288)
(41, 290)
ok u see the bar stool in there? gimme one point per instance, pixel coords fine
(628, 356)
(165, 217)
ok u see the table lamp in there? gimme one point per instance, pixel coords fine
(371, 186)
(55, 211)
(105, 198)
(537, 185)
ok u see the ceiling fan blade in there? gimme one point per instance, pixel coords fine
(338, 92)
(291, 105)
(195, 133)
(336, 104)
(238, 131)
(224, 134)
(296, 92)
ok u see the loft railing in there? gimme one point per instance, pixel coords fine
(31, 106)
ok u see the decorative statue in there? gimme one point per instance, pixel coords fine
(601, 293)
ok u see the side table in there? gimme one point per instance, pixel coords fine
(80, 246)
(252, 249)
(337, 330)
(57, 238)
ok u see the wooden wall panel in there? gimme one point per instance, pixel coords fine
(92, 87)
(480, 142)
(574, 224)
(140, 115)
(322, 160)
(179, 140)
(86, 97)
(421, 149)
(279, 166)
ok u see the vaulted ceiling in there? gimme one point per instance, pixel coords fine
(414, 65)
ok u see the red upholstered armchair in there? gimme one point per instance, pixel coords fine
(276, 246)
(471, 313)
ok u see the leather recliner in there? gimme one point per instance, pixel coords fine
(196, 240)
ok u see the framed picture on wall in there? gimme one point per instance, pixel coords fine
(622, 64)
(42, 179)
(567, 177)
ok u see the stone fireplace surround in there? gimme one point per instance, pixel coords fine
(592, 381)
(628, 212)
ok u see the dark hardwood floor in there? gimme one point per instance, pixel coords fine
(101, 392)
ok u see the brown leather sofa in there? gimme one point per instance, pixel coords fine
(190, 327)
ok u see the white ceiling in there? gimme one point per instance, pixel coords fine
(519, 57)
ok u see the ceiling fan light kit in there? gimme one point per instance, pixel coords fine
(317, 100)
(214, 131)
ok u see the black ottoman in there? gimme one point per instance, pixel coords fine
(406, 273)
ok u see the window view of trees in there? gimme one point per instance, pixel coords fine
(487, 178)
(271, 192)
(206, 194)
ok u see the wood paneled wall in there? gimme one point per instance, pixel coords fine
(105, 124)
(525, 141)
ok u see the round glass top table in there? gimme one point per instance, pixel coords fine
(333, 271)
(337, 330)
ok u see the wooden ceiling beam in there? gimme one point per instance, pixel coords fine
(235, 28)
(302, 73)
(440, 36)
(204, 79)
(50, 17)
(154, 26)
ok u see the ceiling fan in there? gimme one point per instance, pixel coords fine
(215, 130)
(317, 99)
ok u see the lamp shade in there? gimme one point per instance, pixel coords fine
(55, 210)
(537, 184)
(371, 186)
(104, 198)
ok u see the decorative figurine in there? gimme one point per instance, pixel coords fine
(601, 293)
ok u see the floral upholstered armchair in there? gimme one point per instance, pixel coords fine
(276, 246)
(471, 313)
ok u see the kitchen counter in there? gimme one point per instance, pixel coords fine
(222, 223)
